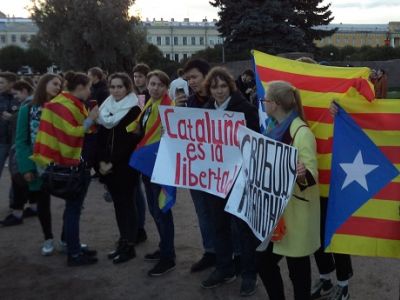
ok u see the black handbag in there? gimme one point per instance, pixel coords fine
(65, 182)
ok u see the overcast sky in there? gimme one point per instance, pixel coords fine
(345, 11)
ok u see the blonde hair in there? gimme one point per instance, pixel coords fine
(287, 96)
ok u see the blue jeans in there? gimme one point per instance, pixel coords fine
(224, 248)
(164, 221)
(4, 150)
(141, 204)
(204, 210)
(72, 215)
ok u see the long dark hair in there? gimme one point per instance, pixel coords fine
(40, 96)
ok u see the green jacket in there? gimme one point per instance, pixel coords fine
(24, 148)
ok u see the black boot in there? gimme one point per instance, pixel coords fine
(120, 245)
(127, 253)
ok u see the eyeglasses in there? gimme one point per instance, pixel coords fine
(266, 100)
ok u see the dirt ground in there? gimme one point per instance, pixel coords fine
(25, 274)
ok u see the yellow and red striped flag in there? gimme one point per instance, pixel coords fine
(61, 132)
(374, 230)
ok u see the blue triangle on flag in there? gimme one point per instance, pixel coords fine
(359, 170)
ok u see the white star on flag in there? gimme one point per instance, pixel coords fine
(357, 171)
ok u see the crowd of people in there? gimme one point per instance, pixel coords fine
(93, 123)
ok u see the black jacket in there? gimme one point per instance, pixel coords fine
(239, 104)
(99, 92)
(116, 145)
(197, 101)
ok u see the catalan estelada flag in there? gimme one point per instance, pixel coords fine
(144, 157)
(61, 132)
(374, 229)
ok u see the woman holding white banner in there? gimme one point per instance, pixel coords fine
(300, 226)
(221, 86)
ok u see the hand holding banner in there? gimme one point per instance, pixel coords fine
(265, 184)
(199, 149)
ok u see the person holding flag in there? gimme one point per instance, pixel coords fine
(59, 141)
(301, 229)
(159, 198)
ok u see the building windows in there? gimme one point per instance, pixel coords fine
(13, 38)
(177, 57)
(24, 38)
(167, 40)
(168, 56)
(175, 40)
(184, 41)
(159, 40)
(185, 56)
(201, 40)
(193, 41)
(3, 38)
(212, 42)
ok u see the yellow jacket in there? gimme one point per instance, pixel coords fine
(302, 215)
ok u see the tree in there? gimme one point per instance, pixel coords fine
(263, 25)
(37, 60)
(271, 25)
(81, 34)
(152, 55)
(308, 15)
(12, 58)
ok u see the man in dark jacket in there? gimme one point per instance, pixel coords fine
(8, 107)
(99, 89)
(246, 83)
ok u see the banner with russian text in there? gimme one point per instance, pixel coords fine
(199, 149)
(265, 183)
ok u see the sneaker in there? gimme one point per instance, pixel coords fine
(126, 253)
(207, 261)
(141, 236)
(29, 212)
(153, 256)
(321, 289)
(217, 279)
(107, 197)
(340, 293)
(248, 287)
(48, 247)
(11, 220)
(162, 267)
(62, 248)
(88, 252)
(119, 246)
(81, 260)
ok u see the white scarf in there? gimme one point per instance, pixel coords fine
(112, 112)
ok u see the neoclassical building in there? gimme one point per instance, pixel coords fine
(180, 40)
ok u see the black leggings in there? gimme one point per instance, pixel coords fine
(270, 274)
(44, 214)
(20, 191)
(328, 262)
(123, 189)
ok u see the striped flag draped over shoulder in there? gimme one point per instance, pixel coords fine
(61, 132)
(144, 157)
(374, 229)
